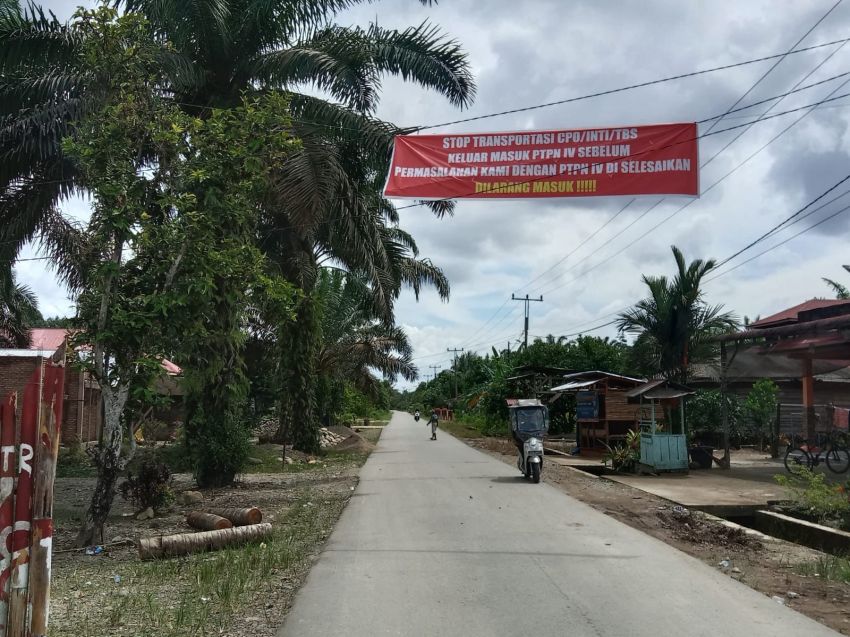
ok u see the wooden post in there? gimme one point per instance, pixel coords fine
(46, 455)
(774, 443)
(21, 530)
(7, 499)
(809, 419)
(724, 408)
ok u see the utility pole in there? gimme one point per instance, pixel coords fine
(455, 350)
(527, 302)
(435, 368)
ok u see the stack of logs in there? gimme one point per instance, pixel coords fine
(217, 528)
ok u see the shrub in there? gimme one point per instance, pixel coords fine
(624, 457)
(814, 497)
(150, 487)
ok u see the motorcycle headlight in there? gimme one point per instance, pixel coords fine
(534, 443)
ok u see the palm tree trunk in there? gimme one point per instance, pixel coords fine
(299, 344)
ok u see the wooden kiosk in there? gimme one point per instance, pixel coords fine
(603, 413)
(662, 447)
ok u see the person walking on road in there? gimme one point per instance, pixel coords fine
(433, 420)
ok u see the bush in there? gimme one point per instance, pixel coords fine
(704, 415)
(826, 503)
(150, 487)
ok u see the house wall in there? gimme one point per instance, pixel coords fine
(80, 418)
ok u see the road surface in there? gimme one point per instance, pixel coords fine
(443, 540)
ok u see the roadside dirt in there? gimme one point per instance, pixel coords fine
(769, 567)
(114, 593)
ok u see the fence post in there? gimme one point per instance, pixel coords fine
(777, 429)
(46, 455)
(7, 499)
(21, 530)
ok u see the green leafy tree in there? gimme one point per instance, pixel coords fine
(118, 270)
(674, 320)
(704, 415)
(760, 407)
(167, 262)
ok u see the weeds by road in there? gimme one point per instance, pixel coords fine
(237, 591)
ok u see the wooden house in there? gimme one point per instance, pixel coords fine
(603, 412)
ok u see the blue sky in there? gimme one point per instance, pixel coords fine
(536, 51)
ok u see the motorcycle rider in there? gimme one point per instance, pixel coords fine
(416, 415)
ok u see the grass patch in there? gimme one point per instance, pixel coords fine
(196, 595)
(829, 567)
(460, 429)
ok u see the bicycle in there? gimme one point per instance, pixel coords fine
(831, 449)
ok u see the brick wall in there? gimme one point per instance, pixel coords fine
(80, 414)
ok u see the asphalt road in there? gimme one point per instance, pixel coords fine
(442, 540)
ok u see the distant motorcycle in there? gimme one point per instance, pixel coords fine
(416, 416)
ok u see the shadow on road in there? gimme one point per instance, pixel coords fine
(508, 479)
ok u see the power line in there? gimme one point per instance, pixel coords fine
(785, 221)
(631, 86)
(781, 243)
(777, 63)
(678, 210)
(732, 109)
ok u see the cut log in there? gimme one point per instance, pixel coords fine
(240, 517)
(186, 543)
(207, 521)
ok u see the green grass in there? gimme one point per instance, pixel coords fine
(460, 429)
(830, 567)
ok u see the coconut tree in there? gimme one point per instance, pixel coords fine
(18, 310)
(673, 321)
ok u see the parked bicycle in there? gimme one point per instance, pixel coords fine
(830, 448)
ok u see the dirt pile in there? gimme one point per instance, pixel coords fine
(695, 528)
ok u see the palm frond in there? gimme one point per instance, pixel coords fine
(841, 291)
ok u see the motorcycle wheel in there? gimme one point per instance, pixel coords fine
(535, 472)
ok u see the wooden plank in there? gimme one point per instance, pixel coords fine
(46, 455)
(21, 530)
(7, 499)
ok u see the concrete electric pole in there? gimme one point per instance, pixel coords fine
(527, 302)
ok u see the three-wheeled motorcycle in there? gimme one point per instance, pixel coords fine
(529, 423)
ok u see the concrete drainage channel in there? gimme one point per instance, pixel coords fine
(772, 524)
(785, 527)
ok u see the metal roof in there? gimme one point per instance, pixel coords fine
(27, 353)
(606, 374)
(791, 315)
(659, 390)
(575, 385)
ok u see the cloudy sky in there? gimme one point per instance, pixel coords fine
(535, 51)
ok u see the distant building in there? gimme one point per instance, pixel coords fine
(82, 412)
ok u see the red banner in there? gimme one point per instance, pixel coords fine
(596, 162)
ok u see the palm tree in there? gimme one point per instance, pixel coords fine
(354, 341)
(18, 311)
(674, 321)
(842, 292)
(328, 202)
